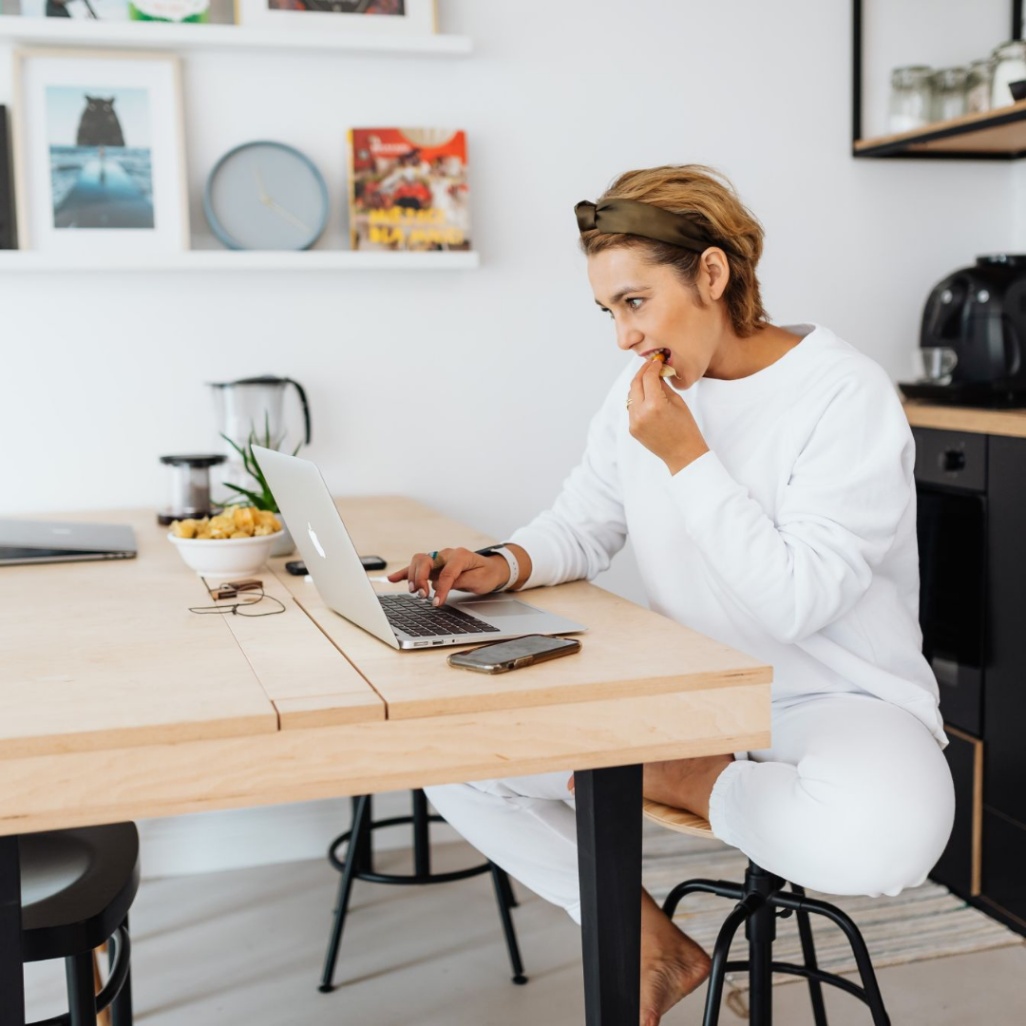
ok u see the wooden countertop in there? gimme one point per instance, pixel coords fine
(965, 418)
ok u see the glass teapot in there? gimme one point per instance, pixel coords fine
(255, 406)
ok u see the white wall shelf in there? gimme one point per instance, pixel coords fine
(231, 260)
(161, 36)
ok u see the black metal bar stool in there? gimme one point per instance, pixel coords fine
(761, 899)
(359, 865)
(77, 888)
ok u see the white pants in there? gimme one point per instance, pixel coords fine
(853, 797)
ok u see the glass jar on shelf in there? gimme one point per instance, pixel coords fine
(948, 93)
(1009, 66)
(978, 83)
(911, 98)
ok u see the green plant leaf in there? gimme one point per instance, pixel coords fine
(258, 500)
(264, 497)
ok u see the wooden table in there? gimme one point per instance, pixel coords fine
(117, 703)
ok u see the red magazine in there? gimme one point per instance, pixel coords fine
(408, 189)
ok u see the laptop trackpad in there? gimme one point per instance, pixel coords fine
(498, 607)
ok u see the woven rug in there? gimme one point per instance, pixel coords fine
(920, 923)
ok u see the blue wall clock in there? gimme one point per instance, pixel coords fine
(266, 195)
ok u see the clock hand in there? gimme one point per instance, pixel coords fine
(268, 201)
(264, 198)
(287, 214)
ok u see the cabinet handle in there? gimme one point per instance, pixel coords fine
(952, 460)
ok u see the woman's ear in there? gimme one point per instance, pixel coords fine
(713, 273)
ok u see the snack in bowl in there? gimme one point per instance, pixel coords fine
(234, 542)
(234, 522)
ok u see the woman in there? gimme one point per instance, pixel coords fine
(767, 488)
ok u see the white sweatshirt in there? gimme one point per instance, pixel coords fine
(793, 539)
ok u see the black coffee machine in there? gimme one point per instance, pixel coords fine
(978, 312)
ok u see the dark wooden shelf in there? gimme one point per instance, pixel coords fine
(994, 135)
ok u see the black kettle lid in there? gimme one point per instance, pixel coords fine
(1001, 260)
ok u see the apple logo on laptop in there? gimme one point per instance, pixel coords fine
(316, 541)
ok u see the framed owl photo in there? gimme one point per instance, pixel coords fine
(363, 16)
(99, 152)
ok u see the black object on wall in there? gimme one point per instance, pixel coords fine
(8, 239)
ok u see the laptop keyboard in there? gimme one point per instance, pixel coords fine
(416, 616)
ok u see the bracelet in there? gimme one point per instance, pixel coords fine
(511, 561)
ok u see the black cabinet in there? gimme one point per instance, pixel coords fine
(1004, 870)
(1004, 716)
(951, 485)
(972, 545)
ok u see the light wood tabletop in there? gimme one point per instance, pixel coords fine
(105, 665)
(117, 702)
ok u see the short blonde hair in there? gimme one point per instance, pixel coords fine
(707, 197)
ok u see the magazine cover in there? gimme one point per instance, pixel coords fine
(408, 189)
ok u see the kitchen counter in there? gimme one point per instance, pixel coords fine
(1011, 423)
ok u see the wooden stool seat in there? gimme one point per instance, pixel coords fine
(681, 820)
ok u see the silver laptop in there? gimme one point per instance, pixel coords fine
(52, 541)
(401, 620)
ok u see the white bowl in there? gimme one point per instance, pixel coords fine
(225, 558)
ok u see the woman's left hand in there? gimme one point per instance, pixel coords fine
(662, 421)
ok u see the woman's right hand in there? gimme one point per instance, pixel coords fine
(453, 568)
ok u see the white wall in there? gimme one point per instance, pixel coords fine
(415, 378)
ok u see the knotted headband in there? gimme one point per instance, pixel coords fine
(632, 217)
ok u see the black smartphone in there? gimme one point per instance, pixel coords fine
(502, 656)
(297, 567)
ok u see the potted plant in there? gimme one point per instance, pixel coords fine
(260, 494)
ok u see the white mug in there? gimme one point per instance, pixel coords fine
(934, 364)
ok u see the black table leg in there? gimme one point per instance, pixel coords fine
(12, 982)
(609, 861)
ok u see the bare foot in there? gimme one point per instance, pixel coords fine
(672, 964)
(685, 783)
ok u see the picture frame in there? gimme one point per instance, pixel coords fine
(79, 10)
(179, 12)
(99, 152)
(385, 17)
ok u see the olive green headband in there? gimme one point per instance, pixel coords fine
(632, 217)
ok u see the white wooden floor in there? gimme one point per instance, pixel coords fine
(244, 948)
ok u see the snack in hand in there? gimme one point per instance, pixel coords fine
(234, 522)
(666, 371)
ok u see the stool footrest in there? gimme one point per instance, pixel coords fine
(414, 879)
(409, 879)
(790, 969)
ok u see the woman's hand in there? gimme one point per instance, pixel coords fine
(661, 420)
(453, 568)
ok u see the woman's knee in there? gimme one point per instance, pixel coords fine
(883, 844)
